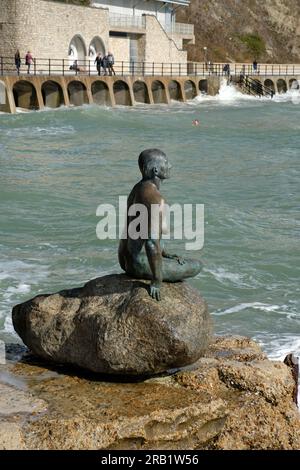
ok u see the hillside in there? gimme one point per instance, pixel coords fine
(241, 30)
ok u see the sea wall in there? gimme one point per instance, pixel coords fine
(37, 92)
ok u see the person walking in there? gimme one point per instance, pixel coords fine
(226, 69)
(18, 61)
(28, 61)
(110, 63)
(104, 64)
(99, 63)
(254, 67)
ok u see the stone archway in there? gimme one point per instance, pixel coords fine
(96, 46)
(158, 92)
(270, 84)
(203, 86)
(100, 93)
(52, 93)
(140, 92)
(77, 93)
(190, 90)
(281, 86)
(294, 84)
(122, 93)
(77, 50)
(25, 95)
(4, 104)
(175, 90)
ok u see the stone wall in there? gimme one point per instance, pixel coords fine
(8, 42)
(46, 28)
(120, 48)
(160, 48)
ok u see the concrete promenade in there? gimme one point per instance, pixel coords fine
(133, 83)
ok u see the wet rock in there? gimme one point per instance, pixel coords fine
(222, 403)
(112, 326)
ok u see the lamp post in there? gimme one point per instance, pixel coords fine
(205, 56)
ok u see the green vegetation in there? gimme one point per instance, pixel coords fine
(255, 44)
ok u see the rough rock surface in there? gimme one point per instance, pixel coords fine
(221, 24)
(224, 401)
(112, 326)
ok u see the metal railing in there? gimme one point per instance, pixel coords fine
(183, 29)
(255, 87)
(236, 69)
(127, 21)
(64, 67)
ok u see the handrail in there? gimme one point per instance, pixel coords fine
(127, 21)
(57, 67)
(180, 28)
(255, 87)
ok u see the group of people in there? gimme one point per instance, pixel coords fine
(105, 63)
(28, 61)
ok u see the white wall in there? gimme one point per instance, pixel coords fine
(125, 7)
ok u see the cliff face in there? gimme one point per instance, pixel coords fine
(244, 30)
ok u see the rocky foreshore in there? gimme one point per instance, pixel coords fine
(233, 398)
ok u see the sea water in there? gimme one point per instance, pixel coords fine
(241, 162)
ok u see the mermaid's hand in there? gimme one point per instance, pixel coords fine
(155, 292)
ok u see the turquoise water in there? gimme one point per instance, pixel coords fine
(242, 163)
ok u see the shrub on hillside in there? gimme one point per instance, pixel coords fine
(255, 44)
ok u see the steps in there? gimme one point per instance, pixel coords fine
(254, 87)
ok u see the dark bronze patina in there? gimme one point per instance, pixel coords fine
(147, 258)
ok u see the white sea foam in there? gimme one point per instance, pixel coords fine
(291, 95)
(278, 347)
(23, 110)
(221, 275)
(8, 326)
(22, 272)
(21, 288)
(243, 306)
(39, 131)
(228, 94)
(224, 277)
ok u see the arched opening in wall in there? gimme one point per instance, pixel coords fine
(77, 93)
(140, 92)
(96, 46)
(158, 92)
(294, 84)
(175, 91)
(190, 90)
(4, 104)
(52, 93)
(25, 95)
(270, 84)
(100, 93)
(77, 51)
(121, 93)
(203, 86)
(281, 86)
